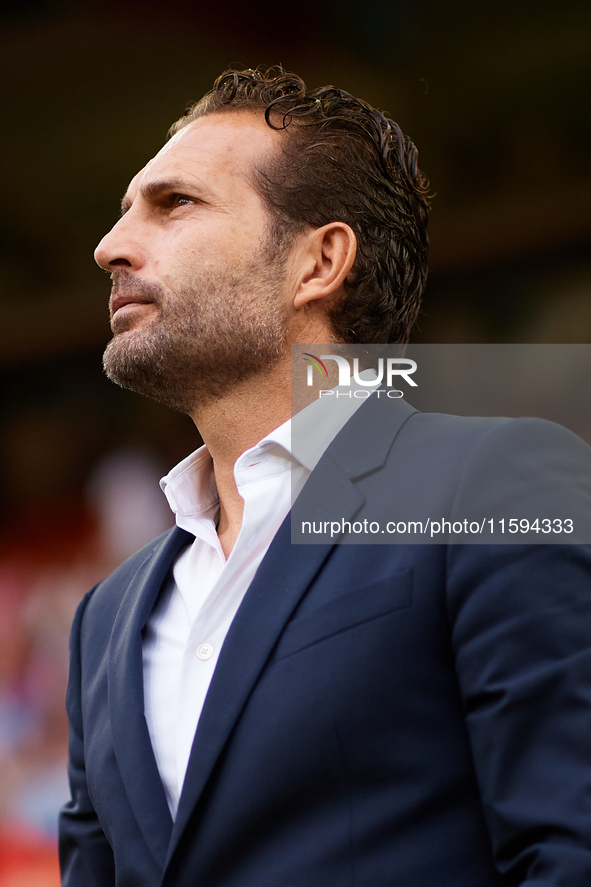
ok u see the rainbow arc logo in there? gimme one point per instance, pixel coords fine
(315, 362)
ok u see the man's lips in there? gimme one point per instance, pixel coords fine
(121, 301)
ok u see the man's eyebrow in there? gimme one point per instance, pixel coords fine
(151, 190)
(125, 204)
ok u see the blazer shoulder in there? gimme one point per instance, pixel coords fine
(467, 430)
(454, 434)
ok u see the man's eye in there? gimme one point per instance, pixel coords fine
(181, 200)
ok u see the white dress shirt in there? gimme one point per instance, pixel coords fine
(185, 632)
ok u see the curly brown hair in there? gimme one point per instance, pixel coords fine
(343, 161)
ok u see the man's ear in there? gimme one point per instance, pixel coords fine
(327, 257)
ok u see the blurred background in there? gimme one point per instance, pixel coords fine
(494, 93)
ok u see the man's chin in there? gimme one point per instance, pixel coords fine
(137, 363)
(123, 358)
(128, 322)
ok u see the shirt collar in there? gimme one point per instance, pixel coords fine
(190, 486)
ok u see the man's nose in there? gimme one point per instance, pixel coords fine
(120, 248)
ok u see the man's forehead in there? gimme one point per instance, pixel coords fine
(228, 144)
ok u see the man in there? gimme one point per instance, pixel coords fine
(249, 712)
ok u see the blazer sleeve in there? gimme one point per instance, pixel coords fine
(86, 858)
(520, 619)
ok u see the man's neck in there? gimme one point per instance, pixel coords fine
(233, 424)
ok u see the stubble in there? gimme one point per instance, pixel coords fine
(209, 335)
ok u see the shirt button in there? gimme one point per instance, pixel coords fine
(204, 651)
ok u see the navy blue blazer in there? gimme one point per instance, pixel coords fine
(380, 715)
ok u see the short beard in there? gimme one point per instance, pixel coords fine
(207, 337)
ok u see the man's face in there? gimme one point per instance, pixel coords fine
(199, 294)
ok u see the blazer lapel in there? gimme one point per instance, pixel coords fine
(279, 583)
(131, 740)
(365, 441)
(362, 446)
